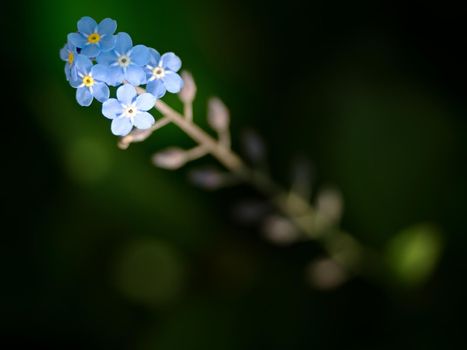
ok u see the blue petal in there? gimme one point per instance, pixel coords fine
(76, 83)
(139, 55)
(148, 74)
(100, 91)
(121, 126)
(107, 42)
(123, 43)
(107, 26)
(156, 87)
(91, 50)
(171, 62)
(135, 75)
(77, 39)
(83, 96)
(112, 108)
(126, 93)
(172, 81)
(116, 76)
(83, 64)
(67, 71)
(107, 58)
(73, 72)
(143, 120)
(87, 25)
(145, 102)
(64, 53)
(100, 72)
(154, 57)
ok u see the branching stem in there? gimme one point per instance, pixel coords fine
(292, 205)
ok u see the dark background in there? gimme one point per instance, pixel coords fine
(101, 249)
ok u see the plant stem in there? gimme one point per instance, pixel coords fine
(297, 209)
(225, 156)
(188, 111)
(233, 162)
(195, 153)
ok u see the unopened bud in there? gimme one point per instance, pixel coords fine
(171, 158)
(326, 274)
(251, 211)
(254, 146)
(207, 178)
(218, 114)
(279, 230)
(139, 135)
(329, 204)
(188, 92)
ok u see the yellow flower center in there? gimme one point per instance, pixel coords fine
(158, 72)
(88, 81)
(71, 58)
(94, 38)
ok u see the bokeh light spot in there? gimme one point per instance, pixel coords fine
(413, 253)
(88, 160)
(150, 272)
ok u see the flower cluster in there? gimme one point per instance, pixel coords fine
(96, 58)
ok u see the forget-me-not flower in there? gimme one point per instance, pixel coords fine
(90, 81)
(92, 38)
(126, 61)
(129, 110)
(162, 74)
(68, 54)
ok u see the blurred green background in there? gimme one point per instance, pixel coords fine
(102, 250)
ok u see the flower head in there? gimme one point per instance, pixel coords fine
(68, 54)
(126, 61)
(93, 38)
(161, 73)
(129, 110)
(90, 81)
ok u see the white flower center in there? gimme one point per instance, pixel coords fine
(130, 111)
(124, 61)
(158, 72)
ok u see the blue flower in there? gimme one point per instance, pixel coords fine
(162, 73)
(93, 39)
(129, 110)
(90, 81)
(68, 54)
(126, 61)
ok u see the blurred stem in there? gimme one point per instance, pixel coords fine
(195, 153)
(224, 138)
(224, 155)
(141, 135)
(291, 204)
(188, 111)
(297, 209)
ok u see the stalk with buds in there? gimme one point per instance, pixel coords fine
(296, 219)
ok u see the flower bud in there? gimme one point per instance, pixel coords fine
(218, 114)
(171, 158)
(188, 92)
(329, 204)
(251, 211)
(325, 273)
(254, 146)
(207, 178)
(279, 230)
